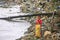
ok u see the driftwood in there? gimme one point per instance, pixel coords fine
(30, 15)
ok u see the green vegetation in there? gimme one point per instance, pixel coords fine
(39, 6)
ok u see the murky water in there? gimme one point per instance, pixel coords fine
(11, 30)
